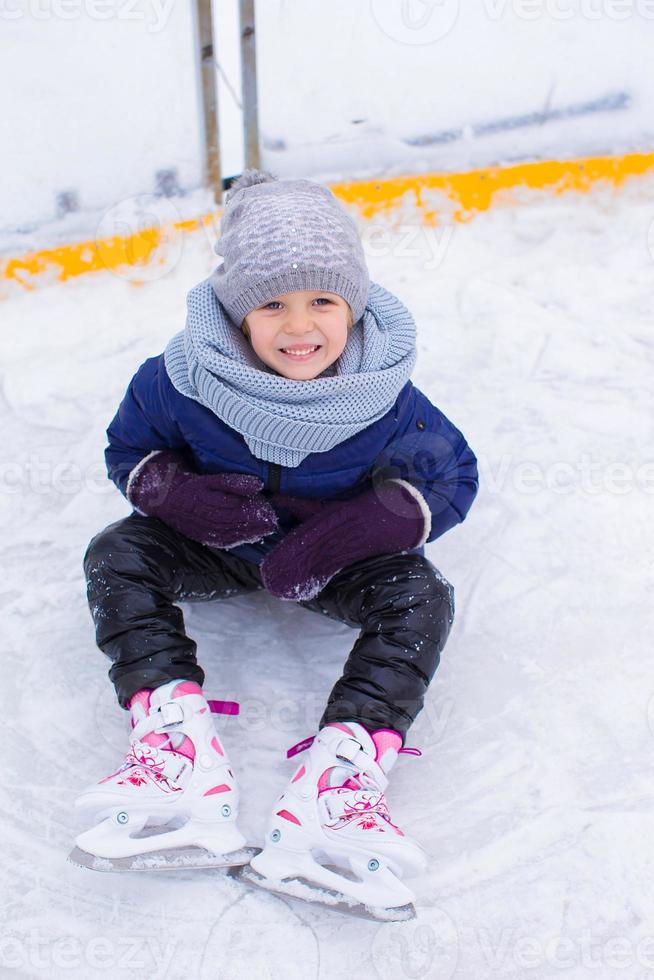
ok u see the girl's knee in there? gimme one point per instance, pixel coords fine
(102, 544)
(440, 588)
(421, 579)
(131, 536)
(434, 592)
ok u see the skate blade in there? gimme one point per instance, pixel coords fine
(167, 859)
(310, 891)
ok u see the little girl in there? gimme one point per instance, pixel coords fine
(276, 444)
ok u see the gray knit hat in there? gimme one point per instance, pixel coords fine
(278, 236)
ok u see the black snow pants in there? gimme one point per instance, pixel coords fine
(137, 567)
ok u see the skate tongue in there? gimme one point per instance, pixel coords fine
(387, 742)
(174, 689)
(139, 707)
(142, 703)
(387, 745)
(144, 700)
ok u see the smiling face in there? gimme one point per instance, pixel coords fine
(312, 322)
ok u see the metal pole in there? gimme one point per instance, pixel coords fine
(249, 83)
(205, 43)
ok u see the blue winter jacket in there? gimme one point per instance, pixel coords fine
(413, 441)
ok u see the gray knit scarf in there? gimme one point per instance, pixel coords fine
(283, 420)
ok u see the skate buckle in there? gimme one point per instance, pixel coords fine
(171, 712)
(348, 749)
(306, 743)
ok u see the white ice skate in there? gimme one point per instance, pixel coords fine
(173, 803)
(331, 838)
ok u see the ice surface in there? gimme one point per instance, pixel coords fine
(533, 796)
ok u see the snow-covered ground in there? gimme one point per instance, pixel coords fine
(534, 792)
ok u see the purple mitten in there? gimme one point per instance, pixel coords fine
(389, 518)
(218, 509)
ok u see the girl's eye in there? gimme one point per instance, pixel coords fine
(275, 302)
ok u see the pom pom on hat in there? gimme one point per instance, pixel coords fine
(247, 179)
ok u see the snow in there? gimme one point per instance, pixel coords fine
(533, 794)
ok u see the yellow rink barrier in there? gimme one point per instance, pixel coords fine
(433, 197)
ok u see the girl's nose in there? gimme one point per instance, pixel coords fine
(298, 324)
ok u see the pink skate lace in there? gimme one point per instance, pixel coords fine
(145, 763)
(349, 804)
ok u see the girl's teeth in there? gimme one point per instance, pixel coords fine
(300, 353)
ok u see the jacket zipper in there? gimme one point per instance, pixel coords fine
(274, 476)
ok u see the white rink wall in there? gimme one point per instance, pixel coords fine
(102, 96)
